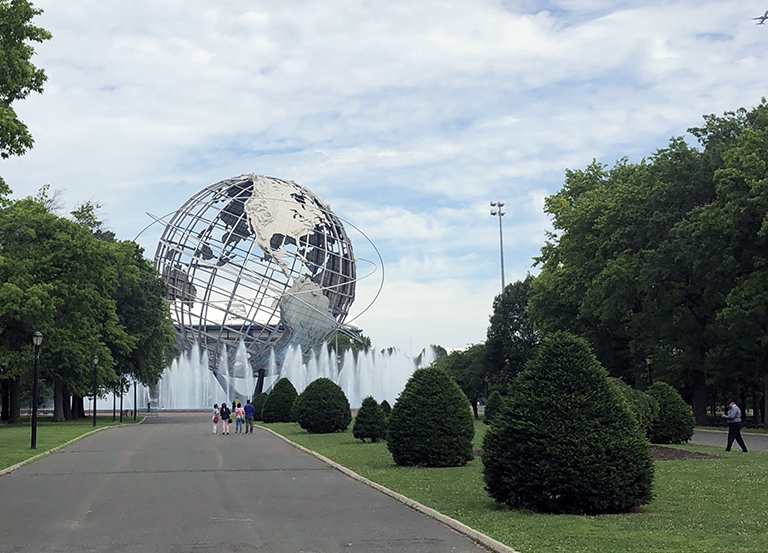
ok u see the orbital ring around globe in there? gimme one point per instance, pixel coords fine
(256, 266)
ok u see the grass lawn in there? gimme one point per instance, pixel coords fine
(700, 506)
(15, 439)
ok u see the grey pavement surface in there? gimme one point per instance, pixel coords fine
(169, 485)
(718, 438)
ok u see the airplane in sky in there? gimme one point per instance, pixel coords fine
(761, 20)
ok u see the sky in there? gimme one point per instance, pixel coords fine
(406, 117)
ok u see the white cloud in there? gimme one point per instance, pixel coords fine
(407, 117)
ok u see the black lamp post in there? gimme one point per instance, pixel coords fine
(95, 389)
(37, 339)
(135, 405)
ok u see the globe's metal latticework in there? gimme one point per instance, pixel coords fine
(256, 260)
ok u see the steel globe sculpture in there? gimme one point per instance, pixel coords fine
(258, 263)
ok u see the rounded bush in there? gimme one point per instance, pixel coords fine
(323, 408)
(674, 422)
(277, 407)
(643, 406)
(386, 407)
(431, 423)
(370, 422)
(565, 440)
(258, 405)
(492, 407)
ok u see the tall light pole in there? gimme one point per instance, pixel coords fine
(95, 389)
(37, 339)
(496, 210)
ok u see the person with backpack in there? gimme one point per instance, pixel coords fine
(225, 413)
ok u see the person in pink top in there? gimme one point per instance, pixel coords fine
(239, 416)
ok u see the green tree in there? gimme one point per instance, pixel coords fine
(511, 337)
(431, 424)
(565, 440)
(370, 422)
(322, 408)
(19, 76)
(279, 403)
(673, 423)
(63, 281)
(647, 260)
(468, 369)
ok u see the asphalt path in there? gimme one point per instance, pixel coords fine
(719, 438)
(169, 485)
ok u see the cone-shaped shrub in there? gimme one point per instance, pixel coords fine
(386, 407)
(492, 407)
(431, 423)
(323, 408)
(278, 406)
(258, 405)
(674, 422)
(644, 406)
(370, 422)
(565, 440)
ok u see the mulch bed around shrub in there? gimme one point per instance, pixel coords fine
(662, 453)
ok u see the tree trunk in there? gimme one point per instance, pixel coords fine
(14, 401)
(5, 398)
(699, 399)
(58, 400)
(474, 409)
(765, 399)
(78, 408)
(67, 404)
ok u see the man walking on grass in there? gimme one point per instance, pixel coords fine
(249, 410)
(734, 426)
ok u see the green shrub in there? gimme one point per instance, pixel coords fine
(431, 423)
(643, 406)
(370, 422)
(492, 407)
(674, 422)
(258, 405)
(565, 440)
(277, 407)
(386, 407)
(323, 408)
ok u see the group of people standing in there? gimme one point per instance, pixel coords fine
(242, 415)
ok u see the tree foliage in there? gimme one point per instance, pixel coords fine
(370, 422)
(20, 77)
(431, 423)
(511, 338)
(665, 260)
(322, 408)
(279, 403)
(467, 368)
(565, 440)
(673, 423)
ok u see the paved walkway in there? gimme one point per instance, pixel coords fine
(169, 485)
(719, 438)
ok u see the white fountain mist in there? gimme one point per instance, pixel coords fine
(189, 384)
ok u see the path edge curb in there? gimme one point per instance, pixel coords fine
(62, 446)
(460, 527)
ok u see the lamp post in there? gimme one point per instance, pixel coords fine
(134, 399)
(95, 389)
(498, 212)
(37, 339)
